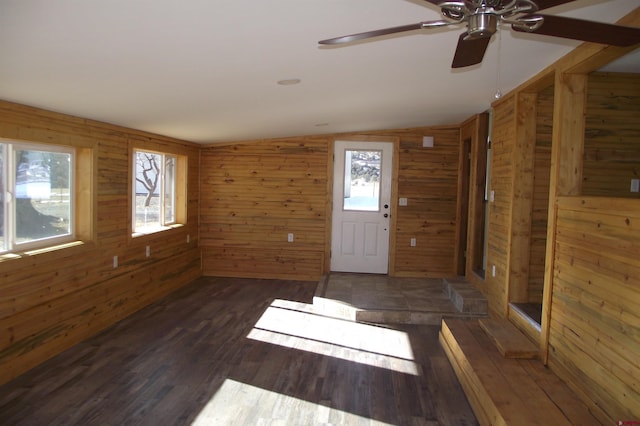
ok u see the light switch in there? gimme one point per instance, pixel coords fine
(413, 242)
(402, 201)
(290, 237)
(635, 185)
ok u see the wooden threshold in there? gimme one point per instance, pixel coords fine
(508, 391)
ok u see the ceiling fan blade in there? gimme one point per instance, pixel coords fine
(469, 52)
(385, 31)
(578, 29)
(546, 4)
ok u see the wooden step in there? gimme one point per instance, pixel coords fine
(508, 391)
(510, 341)
(465, 297)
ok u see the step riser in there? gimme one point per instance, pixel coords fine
(466, 298)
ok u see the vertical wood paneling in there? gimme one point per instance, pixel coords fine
(53, 299)
(612, 151)
(254, 193)
(502, 145)
(595, 314)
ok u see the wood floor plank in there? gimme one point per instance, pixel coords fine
(197, 357)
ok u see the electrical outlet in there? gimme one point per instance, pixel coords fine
(635, 185)
(147, 251)
(413, 242)
(402, 201)
(115, 262)
(290, 237)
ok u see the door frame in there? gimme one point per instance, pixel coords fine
(394, 195)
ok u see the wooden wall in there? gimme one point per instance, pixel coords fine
(590, 334)
(256, 192)
(52, 299)
(253, 195)
(612, 147)
(501, 183)
(540, 202)
(594, 336)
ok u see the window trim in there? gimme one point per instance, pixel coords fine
(179, 192)
(11, 246)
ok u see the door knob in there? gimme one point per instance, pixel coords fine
(386, 215)
(386, 206)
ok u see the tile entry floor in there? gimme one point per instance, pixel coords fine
(397, 298)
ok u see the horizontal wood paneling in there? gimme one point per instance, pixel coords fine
(612, 120)
(254, 193)
(540, 202)
(53, 299)
(595, 314)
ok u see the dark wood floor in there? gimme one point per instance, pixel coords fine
(238, 351)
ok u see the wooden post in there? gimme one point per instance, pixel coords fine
(566, 173)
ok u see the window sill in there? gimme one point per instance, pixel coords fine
(35, 252)
(155, 230)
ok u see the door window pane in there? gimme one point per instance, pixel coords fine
(362, 180)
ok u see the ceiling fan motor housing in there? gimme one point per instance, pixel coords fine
(481, 25)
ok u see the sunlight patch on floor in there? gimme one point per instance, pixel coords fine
(362, 343)
(237, 403)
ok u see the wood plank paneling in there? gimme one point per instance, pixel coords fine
(612, 121)
(53, 299)
(254, 193)
(595, 322)
(540, 202)
(501, 183)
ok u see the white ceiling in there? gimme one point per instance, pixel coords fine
(206, 70)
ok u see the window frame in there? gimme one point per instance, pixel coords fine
(10, 244)
(178, 192)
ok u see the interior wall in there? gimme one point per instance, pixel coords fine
(53, 299)
(540, 202)
(594, 336)
(611, 146)
(256, 192)
(590, 325)
(501, 184)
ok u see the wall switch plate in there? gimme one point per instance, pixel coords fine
(147, 251)
(290, 237)
(493, 270)
(115, 262)
(402, 201)
(188, 238)
(492, 196)
(413, 242)
(635, 185)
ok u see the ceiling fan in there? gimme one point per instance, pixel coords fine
(483, 16)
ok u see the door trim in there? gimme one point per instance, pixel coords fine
(394, 195)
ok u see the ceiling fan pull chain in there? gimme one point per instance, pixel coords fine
(498, 93)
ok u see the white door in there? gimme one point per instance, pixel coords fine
(361, 207)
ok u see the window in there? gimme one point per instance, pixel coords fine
(37, 195)
(155, 191)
